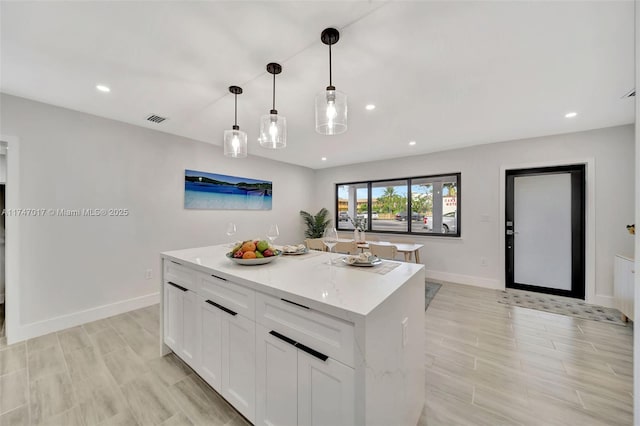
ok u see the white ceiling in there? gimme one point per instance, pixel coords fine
(445, 74)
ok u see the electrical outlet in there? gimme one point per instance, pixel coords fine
(405, 332)
(484, 261)
(148, 274)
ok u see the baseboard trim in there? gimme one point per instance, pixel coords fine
(464, 279)
(606, 301)
(39, 328)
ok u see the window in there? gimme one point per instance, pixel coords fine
(352, 202)
(425, 205)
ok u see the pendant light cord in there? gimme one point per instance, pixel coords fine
(330, 80)
(235, 113)
(274, 91)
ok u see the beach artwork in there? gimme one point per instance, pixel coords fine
(211, 191)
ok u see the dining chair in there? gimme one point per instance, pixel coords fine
(383, 251)
(315, 244)
(347, 247)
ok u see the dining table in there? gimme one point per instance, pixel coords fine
(409, 250)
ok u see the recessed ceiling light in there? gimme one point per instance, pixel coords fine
(570, 114)
(370, 107)
(324, 158)
(412, 143)
(103, 88)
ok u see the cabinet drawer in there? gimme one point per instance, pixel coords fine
(178, 274)
(323, 333)
(232, 296)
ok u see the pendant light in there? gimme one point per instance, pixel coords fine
(331, 105)
(235, 140)
(273, 127)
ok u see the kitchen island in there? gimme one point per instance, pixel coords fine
(298, 340)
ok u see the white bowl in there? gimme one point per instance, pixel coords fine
(257, 261)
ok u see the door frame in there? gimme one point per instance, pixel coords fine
(12, 242)
(577, 174)
(590, 221)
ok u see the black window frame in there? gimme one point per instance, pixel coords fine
(409, 211)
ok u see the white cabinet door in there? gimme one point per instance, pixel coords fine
(211, 344)
(624, 286)
(173, 316)
(238, 363)
(189, 349)
(326, 392)
(276, 380)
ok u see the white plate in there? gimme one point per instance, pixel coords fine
(295, 253)
(374, 263)
(260, 261)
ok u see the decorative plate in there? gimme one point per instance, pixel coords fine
(372, 263)
(295, 253)
(260, 261)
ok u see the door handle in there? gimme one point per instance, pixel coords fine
(300, 346)
(179, 287)
(222, 308)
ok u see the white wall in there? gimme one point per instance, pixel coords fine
(458, 259)
(74, 269)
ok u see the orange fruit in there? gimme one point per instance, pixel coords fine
(249, 255)
(248, 246)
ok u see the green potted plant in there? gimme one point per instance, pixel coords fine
(315, 224)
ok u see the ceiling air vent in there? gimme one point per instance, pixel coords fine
(156, 118)
(630, 94)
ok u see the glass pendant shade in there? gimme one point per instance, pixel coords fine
(235, 140)
(331, 112)
(273, 131)
(235, 143)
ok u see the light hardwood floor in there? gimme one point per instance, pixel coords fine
(487, 364)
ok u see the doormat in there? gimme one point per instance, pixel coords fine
(560, 305)
(430, 290)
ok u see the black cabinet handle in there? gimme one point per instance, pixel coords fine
(173, 261)
(177, 286)
(220, 278)
(300, 346)
(312, 352)
(222, 308)
(294, 303)
(283, 338)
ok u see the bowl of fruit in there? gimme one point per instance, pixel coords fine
(253, 252)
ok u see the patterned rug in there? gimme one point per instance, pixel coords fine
(560, 305)
(430, 290)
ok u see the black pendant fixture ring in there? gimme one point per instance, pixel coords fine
(273, 68)
(330, 36)
(235, 90)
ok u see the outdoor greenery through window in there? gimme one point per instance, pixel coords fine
(428, 205)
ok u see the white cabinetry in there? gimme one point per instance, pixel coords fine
(305, 361)
(326, 392)
(624, 274)
(180, 323)
(228, 355)
(276, 382)
(181, 331)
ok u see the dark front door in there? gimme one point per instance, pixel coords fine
(545, 230)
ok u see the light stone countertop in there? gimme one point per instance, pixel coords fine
(344, 291)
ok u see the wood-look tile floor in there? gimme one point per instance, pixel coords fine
(487, 364)
(493, 364)
(109, 373)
